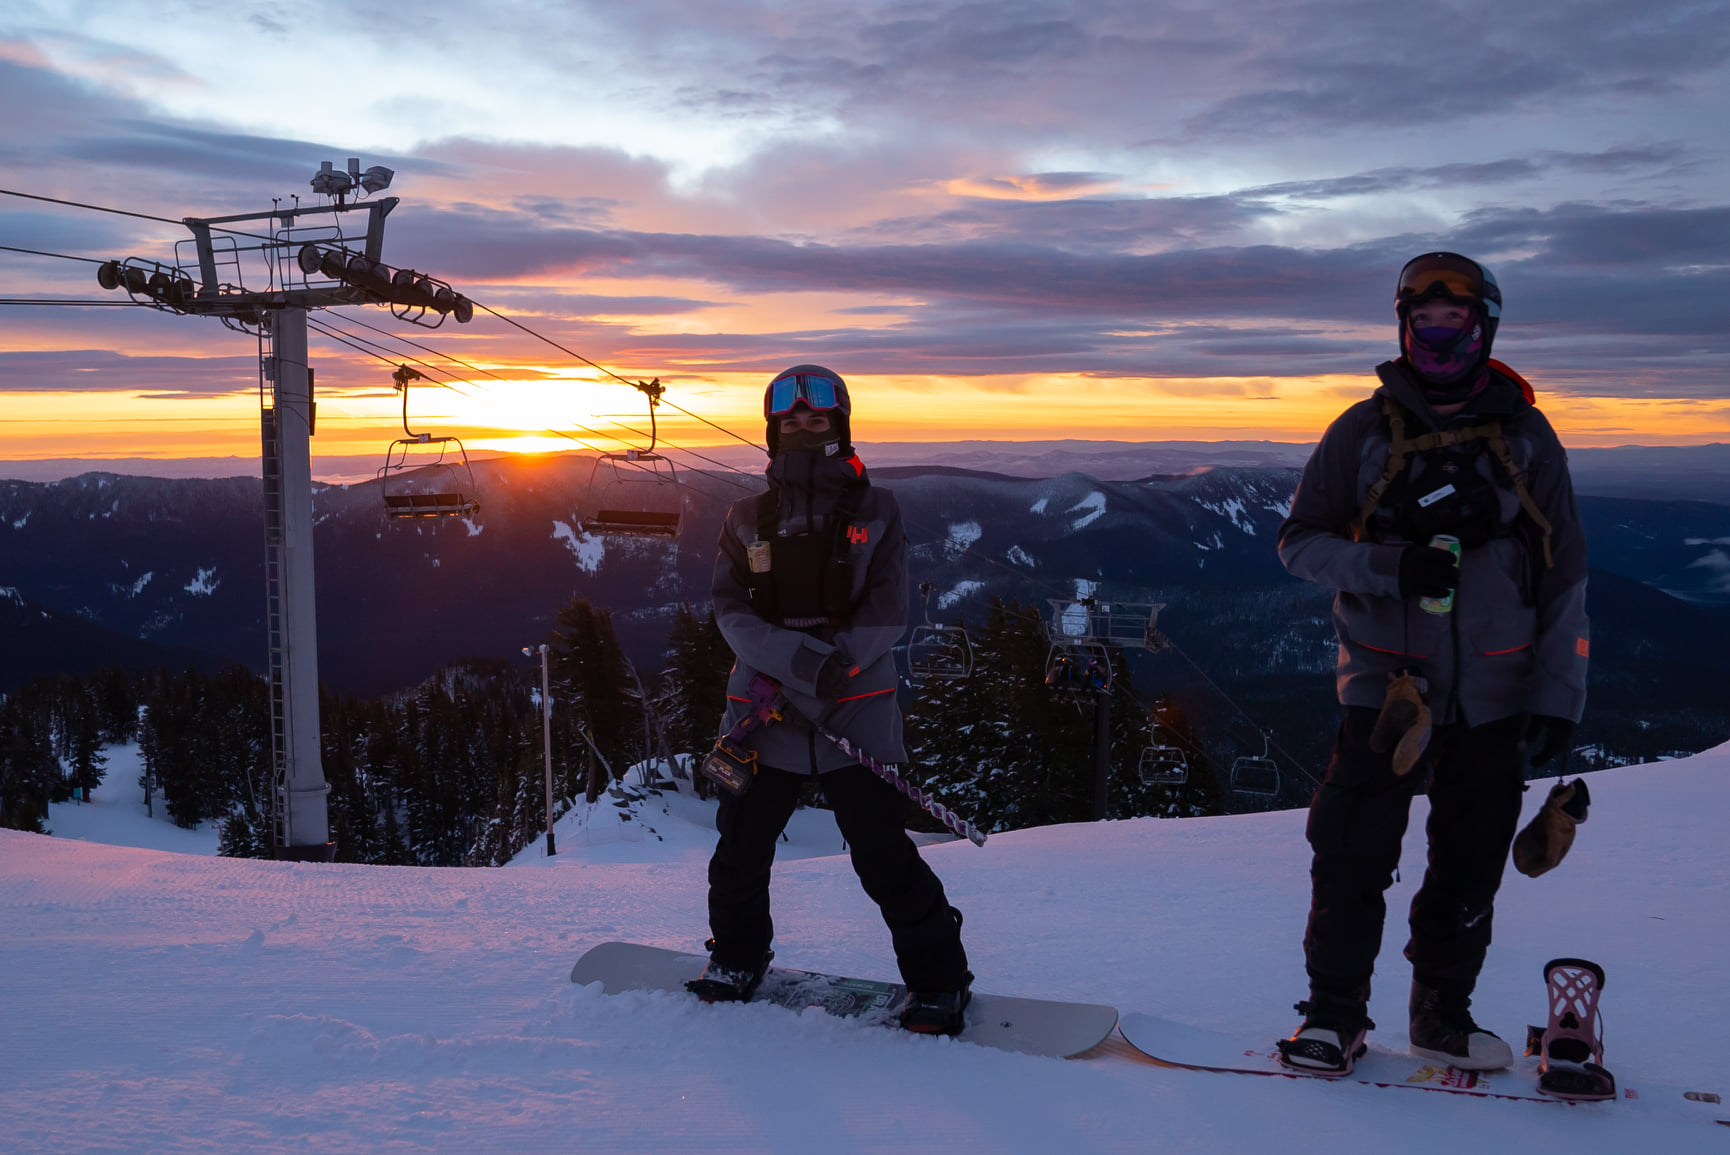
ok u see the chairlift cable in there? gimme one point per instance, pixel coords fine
(350, 340)
(128, 213)
(75, 303)
(622, 380)
(44, 253)
(423, 348)
(479, 385)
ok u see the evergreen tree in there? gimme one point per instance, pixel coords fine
(590, 677)
(693, 696)
(29, 772)
(1005, 752)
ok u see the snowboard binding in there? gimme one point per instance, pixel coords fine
(719, 984)
(937, 1012)
(1570, 1049)
(1324, 1047)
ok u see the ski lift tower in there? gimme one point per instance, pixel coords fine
(298, 258)
(1088, 629)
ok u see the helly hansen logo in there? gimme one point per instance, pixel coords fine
(858, 534)
(1583, 647)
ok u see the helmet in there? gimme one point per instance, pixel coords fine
(1458, 279)
(814, 387)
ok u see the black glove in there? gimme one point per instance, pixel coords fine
(1546, 737)
(1428, 572)
(834, 676)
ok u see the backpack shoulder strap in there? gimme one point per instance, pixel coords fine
(1398, 448)
(1499, 447)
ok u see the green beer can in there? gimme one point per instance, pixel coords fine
(1442, 605)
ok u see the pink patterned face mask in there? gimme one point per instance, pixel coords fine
(1442, 356)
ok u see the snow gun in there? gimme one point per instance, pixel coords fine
(731, 762)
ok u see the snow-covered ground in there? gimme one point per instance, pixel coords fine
(161, 1001)
(116, 814)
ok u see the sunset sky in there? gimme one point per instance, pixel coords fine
(1121, 221)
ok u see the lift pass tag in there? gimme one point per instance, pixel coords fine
(757, 556)
(1435, 495)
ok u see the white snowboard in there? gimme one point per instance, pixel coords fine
(1030, 1026)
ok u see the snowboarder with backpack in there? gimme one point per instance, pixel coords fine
(1441, 511)
(810, 588)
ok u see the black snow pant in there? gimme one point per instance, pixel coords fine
(1356, 823)
(925, 931)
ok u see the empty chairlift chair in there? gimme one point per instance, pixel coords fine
(1163, 766)
(1256, 774)
(936, 651)
(635, 493)
(416, 488)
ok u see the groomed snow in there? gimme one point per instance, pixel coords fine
(161, 1001)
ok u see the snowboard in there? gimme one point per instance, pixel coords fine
(1175, 1045)
(1029, 1026)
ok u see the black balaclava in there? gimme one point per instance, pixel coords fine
(837, 442)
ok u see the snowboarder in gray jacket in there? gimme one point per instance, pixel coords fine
(1441, 511)
(810, 588)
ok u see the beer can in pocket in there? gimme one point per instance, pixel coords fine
(1442, 605)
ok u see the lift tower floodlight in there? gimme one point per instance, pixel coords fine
(306, 259)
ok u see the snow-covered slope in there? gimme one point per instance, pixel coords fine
(116, 813)
(157, 1001)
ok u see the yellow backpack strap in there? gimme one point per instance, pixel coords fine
(1398, 448)
(1499, 446)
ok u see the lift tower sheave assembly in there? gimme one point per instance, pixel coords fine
(300, 258)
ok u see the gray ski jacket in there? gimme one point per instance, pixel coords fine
(1517, 640)
(867, 714)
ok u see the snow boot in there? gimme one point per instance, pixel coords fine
(938, 1012)
(723, 984)
(1571, 1048)
(1324, 1043)
(1442, 1029)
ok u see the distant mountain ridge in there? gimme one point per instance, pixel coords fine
(1679, 473)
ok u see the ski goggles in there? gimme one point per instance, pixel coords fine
(820, 393)
(1445, 275)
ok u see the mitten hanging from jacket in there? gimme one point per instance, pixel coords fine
(1404, 723)
(1546, 839)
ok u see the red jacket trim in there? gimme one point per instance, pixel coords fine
(872, 694)
(1396, 653)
